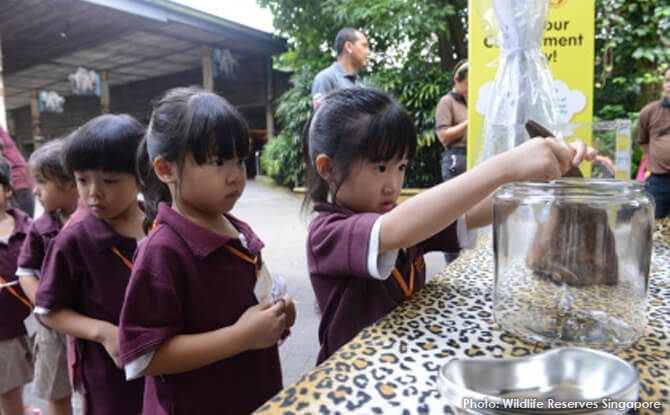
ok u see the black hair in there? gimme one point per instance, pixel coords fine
(461, 70)
(666, 68)
(5, 173)
(187, 120)
(49, 159)
(353, 124)
(346, 34)
(107, 142)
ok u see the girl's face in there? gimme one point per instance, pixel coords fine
(372, 187)
(107, 195)
(213, 187)
(52, 193)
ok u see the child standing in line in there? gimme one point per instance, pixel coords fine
(87, 267)
(190, 321)
(57, 193)
(364, 253)
(16, 367)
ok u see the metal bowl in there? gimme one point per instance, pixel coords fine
(567, 380)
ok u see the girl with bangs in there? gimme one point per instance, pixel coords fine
(364, 252)
(87, 267)
(191, 323)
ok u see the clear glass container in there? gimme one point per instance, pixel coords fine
(572, 260)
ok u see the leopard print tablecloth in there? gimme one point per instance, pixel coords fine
(392, 366)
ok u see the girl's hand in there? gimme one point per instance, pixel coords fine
(263, 324)
(110, 341)
(546, 158)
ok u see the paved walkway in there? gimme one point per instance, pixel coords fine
(274, 214)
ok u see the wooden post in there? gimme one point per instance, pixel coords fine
(38, 139)
(3, 115)
(207, 75)
(104, 93)
(269, 113)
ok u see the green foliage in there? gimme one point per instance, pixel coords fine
(415, 45)
(282, 161)
(414, 48)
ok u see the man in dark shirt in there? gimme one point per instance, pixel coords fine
(352, 50)
(653, 136)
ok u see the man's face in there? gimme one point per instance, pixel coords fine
(666, 83)
(360, 50)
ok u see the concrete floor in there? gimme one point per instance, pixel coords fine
(274, 214)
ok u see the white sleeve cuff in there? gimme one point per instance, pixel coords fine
(467, 238)
(24, 272)
(135, 368)
(380, 266)
(41, 311)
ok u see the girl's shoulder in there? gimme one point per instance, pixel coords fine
(22, 221)
(48, 222)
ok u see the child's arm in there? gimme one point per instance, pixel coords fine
(29, 286)
(431, 211)
(70, 322)
(259, 327)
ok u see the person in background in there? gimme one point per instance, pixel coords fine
(653, 137)
(352, 50)
(57, 192)
(23, 195)
(451, 119)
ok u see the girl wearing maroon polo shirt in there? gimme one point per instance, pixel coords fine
(87, 267)
(57, 193)
(16, 368)
(191, 322)
(364, 253)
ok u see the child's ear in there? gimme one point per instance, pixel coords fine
(166, 171)
(324, 166)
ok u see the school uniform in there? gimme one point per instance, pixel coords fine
(185, 281)
(82, 272)
(51, 381)
(15, 362)
(353, 284)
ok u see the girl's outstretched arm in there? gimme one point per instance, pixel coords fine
(429, 212)
(259, 327)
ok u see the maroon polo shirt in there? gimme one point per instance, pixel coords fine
(81, 272)
(183, 282)
(349, 298)
(40, 234)
(13, 310)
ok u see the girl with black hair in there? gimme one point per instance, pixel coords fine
(364, 253)
(87, 267)
(16, 368)
(191, 322)
(57, 193)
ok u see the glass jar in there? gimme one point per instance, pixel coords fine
(572, 260)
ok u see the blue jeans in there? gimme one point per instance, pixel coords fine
(659, 187)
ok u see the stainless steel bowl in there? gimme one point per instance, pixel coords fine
(567, 380)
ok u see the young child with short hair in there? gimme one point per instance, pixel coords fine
(16, 367)
(87, 267)
(57, 192)
(191, 322)
(364, 253)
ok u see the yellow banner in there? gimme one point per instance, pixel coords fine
(568, 43)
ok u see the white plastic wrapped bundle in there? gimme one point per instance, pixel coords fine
(50, 101)
(523, 88)
(84, 82)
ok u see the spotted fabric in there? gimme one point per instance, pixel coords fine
(392, 366)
